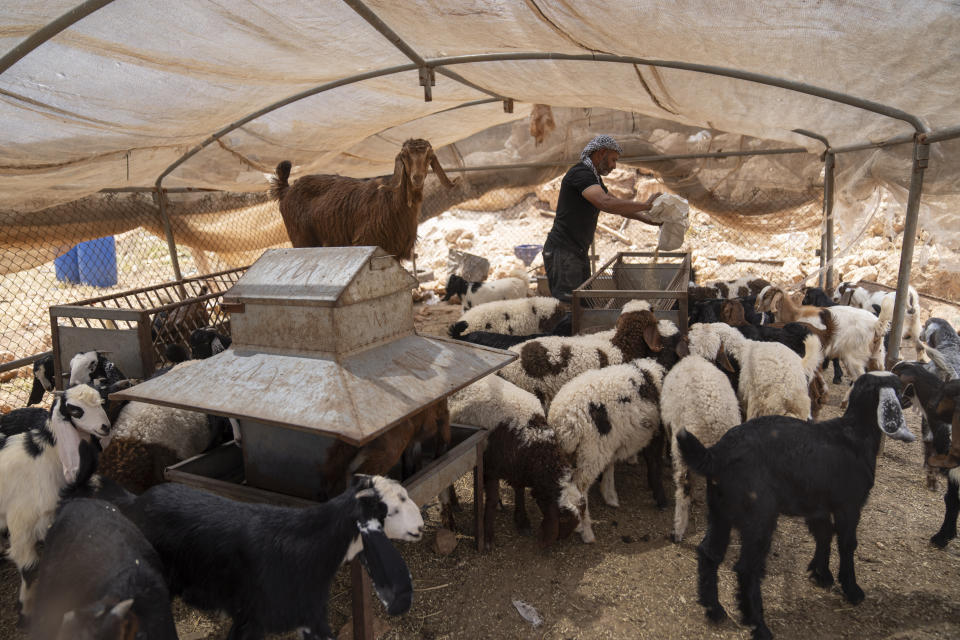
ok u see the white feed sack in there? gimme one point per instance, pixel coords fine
(673, 212)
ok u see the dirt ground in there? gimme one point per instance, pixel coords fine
(635, 583)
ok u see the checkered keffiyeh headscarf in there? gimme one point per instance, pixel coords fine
(602, 141)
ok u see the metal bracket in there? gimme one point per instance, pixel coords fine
(923, 154)
(508, 105)
(428, 79)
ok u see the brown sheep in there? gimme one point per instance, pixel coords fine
(337, 211)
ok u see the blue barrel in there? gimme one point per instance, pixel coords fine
(97, 262)
(66, 267)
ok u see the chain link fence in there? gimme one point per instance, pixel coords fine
(116, 242)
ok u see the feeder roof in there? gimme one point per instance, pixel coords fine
(324, 342)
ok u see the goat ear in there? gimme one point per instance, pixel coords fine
(724, 361)
(387, 569)
(361, 481)
(652, 337)
(776, 302)
(36, 393)
(437, 169)
(68, 446)
(890, 416)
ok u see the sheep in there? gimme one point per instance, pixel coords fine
(336, 211)
(512, 317)
(609, 415)
(35, 465)
(146, 438)
(43, 379)
(270, 568)
(523, 451)
(546, 364)
(92, 366)
(95, 560)
(697, 397)
(857, 339)
(741, 287)
(822, 471)
(505, 340)
(473, 294)
(772, 380)
(206, 342)
(880, 303)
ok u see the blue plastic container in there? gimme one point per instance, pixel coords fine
(97, 262)
(66, 267)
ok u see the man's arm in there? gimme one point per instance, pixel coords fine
(631, 209)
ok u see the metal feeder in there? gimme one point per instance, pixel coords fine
(323, 347)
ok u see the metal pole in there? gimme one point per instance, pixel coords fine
(168, 230)
(921, 157)
(828, 167)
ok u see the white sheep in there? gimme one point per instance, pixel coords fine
(146, 438)
(473, 294)
(772, 378)
(514, 317)
(609, 415)
(698, 397)
(523, 451)
(546, 364)
(35, 465)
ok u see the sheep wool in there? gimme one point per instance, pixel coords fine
(514, 317)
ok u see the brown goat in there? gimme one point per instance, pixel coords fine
(379, 455)
(541, 122)
(337, 211)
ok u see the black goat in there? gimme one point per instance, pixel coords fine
(270, 567)
(822, 471)
(206, 342)
(94, 561)
(43, 378)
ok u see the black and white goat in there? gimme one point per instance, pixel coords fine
(93, 367)
(822, 471)
(206, 342)
(473, 294)
(35, 465)
(216, 557)
(99, 579)
(939, 335)
(43, 379)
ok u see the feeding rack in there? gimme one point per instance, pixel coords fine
(662, 279)
(324, 349)
(135, 326)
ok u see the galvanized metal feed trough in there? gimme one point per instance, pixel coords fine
(323, 347)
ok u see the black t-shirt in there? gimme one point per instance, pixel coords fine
(576, 220)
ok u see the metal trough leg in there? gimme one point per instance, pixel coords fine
(362, 609)
(478, 498)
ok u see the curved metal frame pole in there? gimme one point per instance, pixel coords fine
(826, 238)
(921, 157)
(49, 30)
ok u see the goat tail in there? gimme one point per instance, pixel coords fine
(939, 361)
(877, 348)
(698, 457)
(279, 181)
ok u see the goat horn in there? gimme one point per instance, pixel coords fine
(437, 169)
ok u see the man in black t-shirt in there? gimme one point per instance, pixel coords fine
(582, 197)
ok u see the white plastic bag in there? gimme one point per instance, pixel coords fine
(673, 212)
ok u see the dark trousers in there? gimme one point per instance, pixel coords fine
(566, 270)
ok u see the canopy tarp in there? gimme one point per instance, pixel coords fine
(113, 100)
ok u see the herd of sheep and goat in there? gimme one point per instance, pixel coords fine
(735, 399)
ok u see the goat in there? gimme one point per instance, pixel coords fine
(270, 568)
(94, 560)
(822, 471)
(43, 379)
(206, 342)
(741, 287)
(337, 211)
(93, 367)
(35, 464)
(817, 297)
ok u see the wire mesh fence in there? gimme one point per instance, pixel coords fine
(113, 243)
